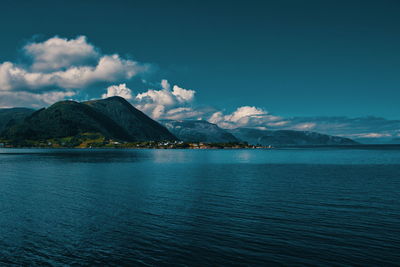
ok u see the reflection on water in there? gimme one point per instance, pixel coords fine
(76, 155)
(199, 207)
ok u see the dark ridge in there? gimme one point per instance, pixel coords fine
(132, 120)
(199, 131)
(288, 137)
(12, 116)
(62, 119)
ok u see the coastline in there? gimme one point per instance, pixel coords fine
(138, 145)
(212, 147)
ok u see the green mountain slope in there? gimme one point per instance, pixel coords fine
(138, 125)
(65, 118)
(113, 117)
(12, 116)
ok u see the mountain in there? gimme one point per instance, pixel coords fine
(70, 118)
(199, 131)
(203, 131)
(379, 140)
(288, 137)
(373, 141)
(116, 118)
(138, 125)
(62, 119)
(395, 141)
(11, 116)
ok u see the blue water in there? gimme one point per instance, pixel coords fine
(326, 207)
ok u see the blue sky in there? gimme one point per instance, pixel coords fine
(299, 62)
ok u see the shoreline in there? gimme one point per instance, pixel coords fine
(210, 147)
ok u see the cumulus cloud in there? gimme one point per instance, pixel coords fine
(64, 65)
(245, 116)
(165, 103)
(57, 53)
(183, 95)
(34, 100)
(108, 69)
(157, 97)
(165, 96)
(118, 90)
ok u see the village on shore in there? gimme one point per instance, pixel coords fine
(94, 140)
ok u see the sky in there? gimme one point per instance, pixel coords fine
(327, 66)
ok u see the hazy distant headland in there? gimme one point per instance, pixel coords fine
(114, 122)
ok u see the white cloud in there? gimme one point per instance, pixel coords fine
(165, 96)
(108, 69)
(57, 53)
(278, 123)
(158, 97)
(371, 135)
(245, 111)
(25, 99)
(64, 65)
(182, 113)
(166, 103)
(304, 126)
(118, 90)
(158, 111)
(165, 84)
(183, 95)
(245, 116)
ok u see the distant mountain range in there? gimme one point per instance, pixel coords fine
(288, 137)
(203, 131)
(116, 118)
(395, 141)
(199, 131)
(380, 141)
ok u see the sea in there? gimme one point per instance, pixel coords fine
(249, 207)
